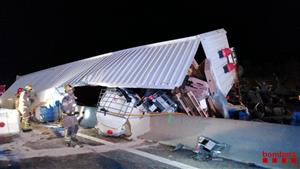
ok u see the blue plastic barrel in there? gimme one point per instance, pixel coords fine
(47, 114)
(243, 115)
(295, 120)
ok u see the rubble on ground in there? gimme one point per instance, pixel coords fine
(268, 101)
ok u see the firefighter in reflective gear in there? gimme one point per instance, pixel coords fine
(24, 105)
(70, 122)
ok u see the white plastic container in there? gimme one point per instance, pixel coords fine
(9, 122)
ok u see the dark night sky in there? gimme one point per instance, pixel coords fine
(38, 35)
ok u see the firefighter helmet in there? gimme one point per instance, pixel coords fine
(28, 88)
(68, 87)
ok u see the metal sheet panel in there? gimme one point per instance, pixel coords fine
(49, 78)
(161, 65)
(212, 43)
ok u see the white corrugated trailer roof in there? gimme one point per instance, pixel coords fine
(49, 78)
(161, 65)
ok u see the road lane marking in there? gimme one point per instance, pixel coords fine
(160, 159)
(141, 153)
(95, 139)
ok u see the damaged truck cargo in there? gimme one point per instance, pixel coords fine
(176, 77)
(154, 79)
(202, 92)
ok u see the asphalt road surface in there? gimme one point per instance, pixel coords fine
(117, 159)
(41, 149)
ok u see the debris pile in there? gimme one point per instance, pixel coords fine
(268, 101)
(208, 149)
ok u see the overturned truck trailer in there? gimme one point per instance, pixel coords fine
(164, 66)
(161, 65)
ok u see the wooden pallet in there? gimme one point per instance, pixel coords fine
(190, 104)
